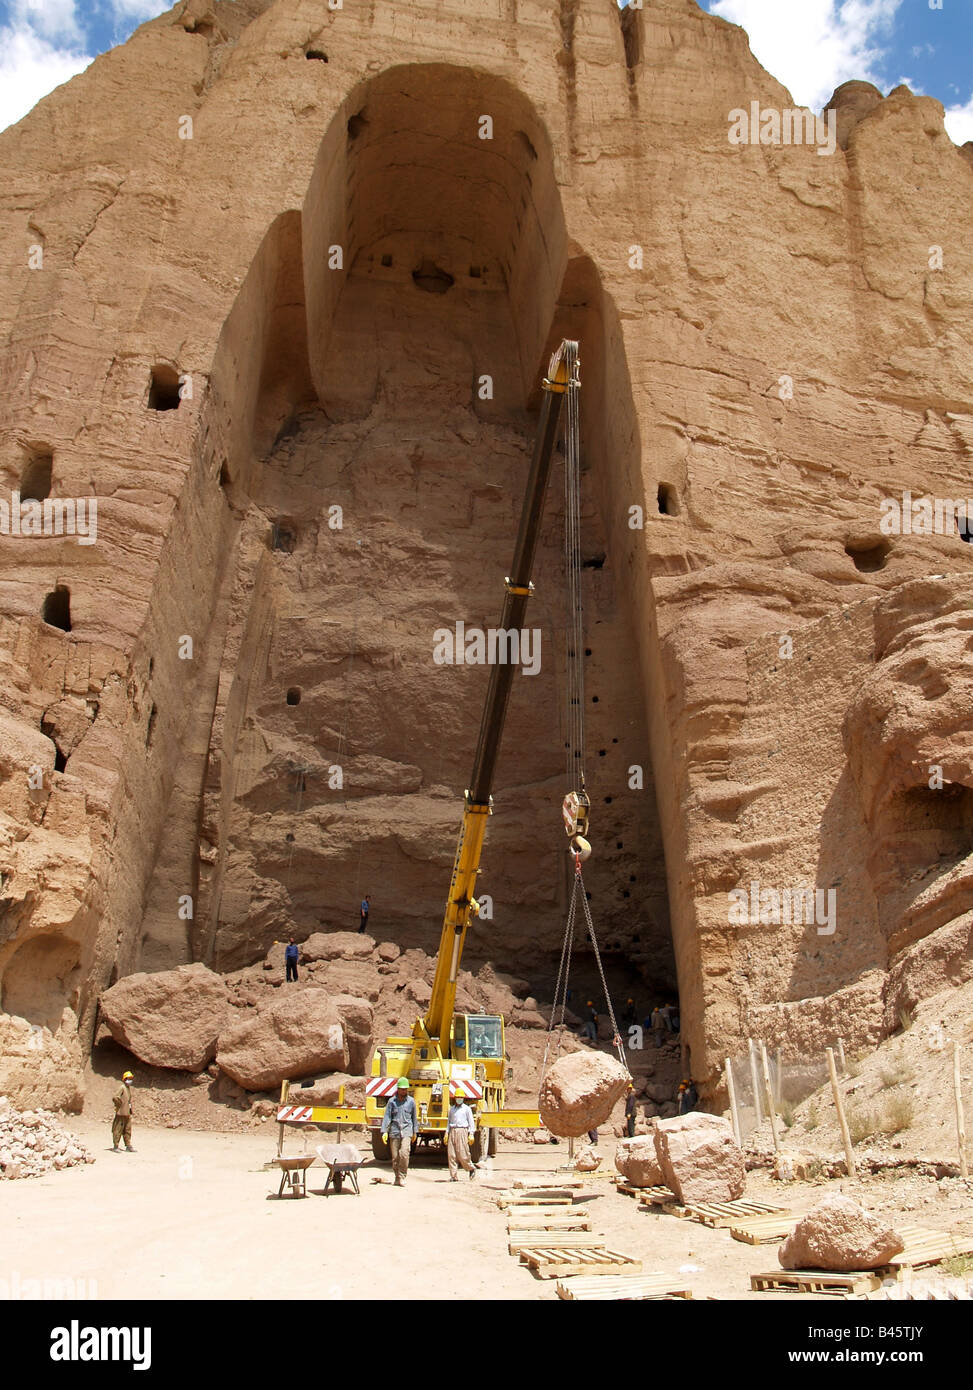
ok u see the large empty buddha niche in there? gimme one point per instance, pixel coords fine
(399, 391)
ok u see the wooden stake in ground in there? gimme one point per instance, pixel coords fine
(758, 1113)
(769, 1095)
(734, 1113)
(964, 1170)
(842, 1122)
(778, 1077)
(841, 1058)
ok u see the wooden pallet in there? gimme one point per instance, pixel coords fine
(726, 1213)
(818, 1281)
(924, 1247)
(646, 1194)
(558, 1262)
(560, 1219)
(521, 1186)
(566, 1240)
(555, 1197)
(758, 1230)
(656, 1197)
(624, 1286)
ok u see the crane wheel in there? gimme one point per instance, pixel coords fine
(479, 1145)
(379, 1150)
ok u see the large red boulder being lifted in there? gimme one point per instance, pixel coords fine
(579, 1092)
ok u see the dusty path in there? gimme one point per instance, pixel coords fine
(193, 1214)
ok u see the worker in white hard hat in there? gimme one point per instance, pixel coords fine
(121, 1125)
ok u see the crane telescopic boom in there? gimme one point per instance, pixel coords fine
(461, 906)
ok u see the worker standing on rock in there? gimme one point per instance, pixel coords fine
(121, 1125)
(400, 1124)
(363, 925)
(459, 1137)
(291, 954)
(590, 1029)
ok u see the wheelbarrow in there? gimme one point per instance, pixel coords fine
(294, 1174)
(342, 1161)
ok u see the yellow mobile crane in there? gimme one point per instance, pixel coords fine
(449, 1052)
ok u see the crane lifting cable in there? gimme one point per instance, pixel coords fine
(576, 806)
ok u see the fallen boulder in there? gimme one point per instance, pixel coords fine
(586, 1160)
(839, 1234)
(337, 945)
(170, 1018)
(699, 1158)
(579, 1092)
(638, 1162)
(297, 1035)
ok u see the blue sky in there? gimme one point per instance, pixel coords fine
(810, 45)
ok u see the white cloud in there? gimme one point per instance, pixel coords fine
(815, 45)
(959, 123)
(30, 67)
(55, 20)
(138, 9)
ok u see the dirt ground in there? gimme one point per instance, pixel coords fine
(194, 1215)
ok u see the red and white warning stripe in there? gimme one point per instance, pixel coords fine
(293, 1114)
(380, 1086)
(471, 1089)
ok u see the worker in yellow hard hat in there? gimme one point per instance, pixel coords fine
(590, 1027)
(121, 1126)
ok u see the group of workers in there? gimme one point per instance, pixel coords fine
(292, 952)
(662, 1020)
(400, 1126)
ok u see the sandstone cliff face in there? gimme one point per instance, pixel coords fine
(173, 776)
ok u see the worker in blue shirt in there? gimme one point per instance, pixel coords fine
(459, 1137)
(291, 954)
(363, 925)
(400, 1125)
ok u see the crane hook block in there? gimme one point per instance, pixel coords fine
(580, 847)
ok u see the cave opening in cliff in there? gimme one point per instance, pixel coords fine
(164, 388)
(57, 608)
(869, 559)
(36, 478)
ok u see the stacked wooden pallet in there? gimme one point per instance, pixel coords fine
(818, 1281)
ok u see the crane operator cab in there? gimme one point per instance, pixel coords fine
(479, 1038)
